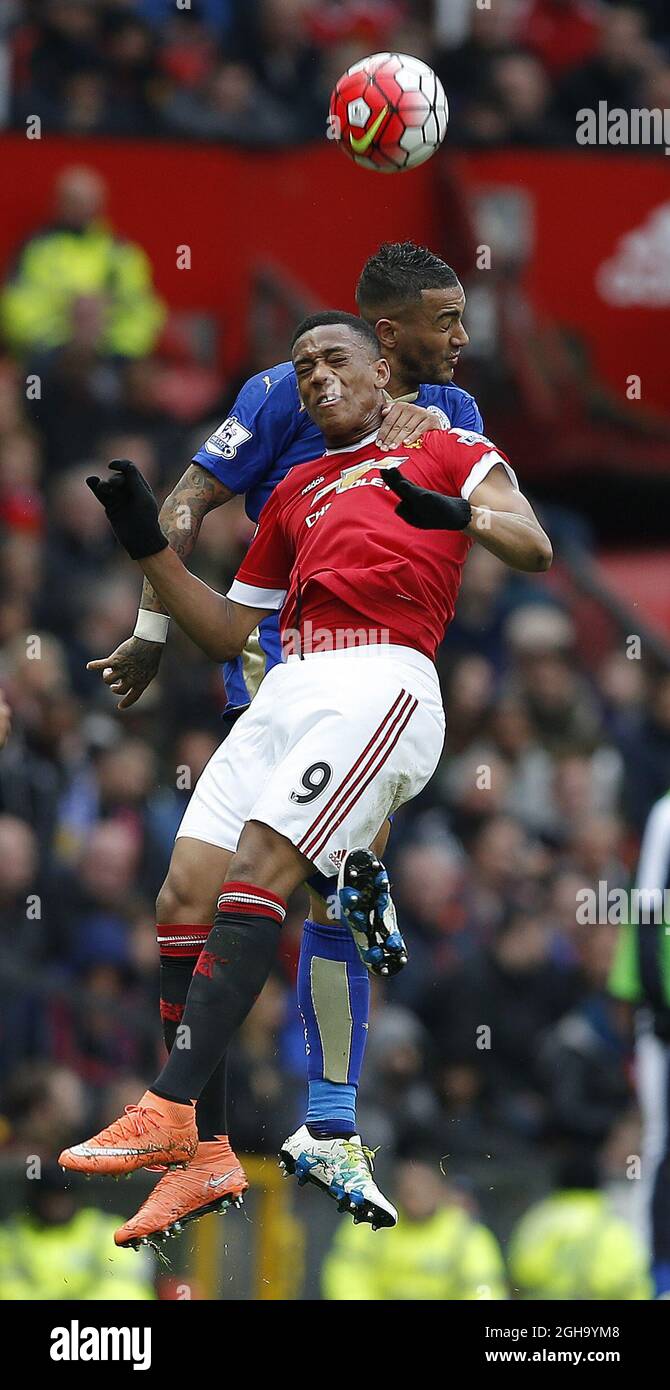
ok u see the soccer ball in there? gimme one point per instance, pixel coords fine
(388, 112)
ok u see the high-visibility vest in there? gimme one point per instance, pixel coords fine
(448, 1256)
(59, 265)
(75, 1260)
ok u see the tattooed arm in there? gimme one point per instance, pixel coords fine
(131, 668)
(197, 493)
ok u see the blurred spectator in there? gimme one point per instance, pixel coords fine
(231, 105)
(18, 868)
(5, 720)
(493, 1011)
(95, 1032)
(522, 89)
(76, 549)
(34, 766)
(395, 1086)
(53, 1251)
(644, 742)
(572, 1245)
(623, 58)
(130, 49)
(65, 42)
(79, 266)
(287, 62)
(224, 70)
(262, 1104)
(559, 703)
(562, 33)
(439, 1252)
(92, 900)
(584, 1060)
(43, 1107)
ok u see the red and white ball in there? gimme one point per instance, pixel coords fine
(389, 112)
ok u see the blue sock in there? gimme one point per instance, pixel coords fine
(334, 1002)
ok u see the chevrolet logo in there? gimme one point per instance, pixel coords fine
(350, 476)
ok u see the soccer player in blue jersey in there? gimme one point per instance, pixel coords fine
(415, 302)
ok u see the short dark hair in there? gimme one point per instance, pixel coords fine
(328, 316)
(397, 273)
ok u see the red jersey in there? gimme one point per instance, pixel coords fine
(332, 550)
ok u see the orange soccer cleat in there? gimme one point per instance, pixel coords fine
(153, 1131)
(213, 1181)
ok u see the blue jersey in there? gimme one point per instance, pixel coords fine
(266, 434)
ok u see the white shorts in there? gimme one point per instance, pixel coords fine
(330, 747)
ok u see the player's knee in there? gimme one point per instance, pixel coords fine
(179, 899)
(266, 858)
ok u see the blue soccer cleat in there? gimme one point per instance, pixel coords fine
(364, 895)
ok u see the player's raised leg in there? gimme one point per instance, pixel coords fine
(214, 1178)
(208, 834)
(231, 971)
(368, 770)
(377, 752)
(334, 1003)
(333, 991)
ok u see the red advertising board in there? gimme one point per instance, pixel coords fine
(598, 255)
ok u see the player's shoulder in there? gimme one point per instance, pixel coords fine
(277, 384)
(266, 406)
(453, 441)
(458, 405)
(462, 458)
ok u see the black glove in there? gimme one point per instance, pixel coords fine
(131, 508)
(430, 511)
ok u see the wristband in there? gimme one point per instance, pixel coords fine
(151, 627)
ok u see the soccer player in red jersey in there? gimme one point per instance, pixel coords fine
(348, 728)
(416, 303)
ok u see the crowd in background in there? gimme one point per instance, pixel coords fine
(557, 747)
(558, 733)
(259, 71)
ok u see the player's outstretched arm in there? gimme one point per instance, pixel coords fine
(132, 666)
(218, 626)
(214, 622)
(181, 516)
(497, 515)
(504, 522)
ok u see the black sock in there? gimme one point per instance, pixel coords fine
(180, 947)
(211, 1111)
(228, 978)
